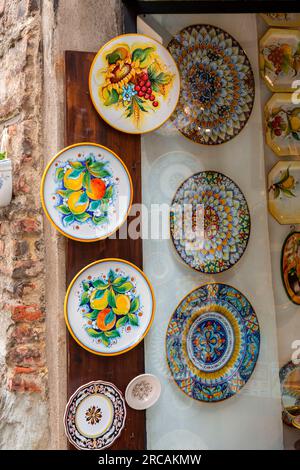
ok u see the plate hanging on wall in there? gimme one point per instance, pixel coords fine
(220, 240)
(109, 307)
(212, 342)
(217, 84)
(282, 19)
(280, 59)
(290, 266)
(289, 376)
(86, 192)
(95, 416)
(282, 119)
(134, 83)
(284, 192)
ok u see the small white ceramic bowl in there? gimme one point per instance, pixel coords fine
(143, 391)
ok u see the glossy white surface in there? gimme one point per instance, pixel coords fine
(143, 391)
(252, 418)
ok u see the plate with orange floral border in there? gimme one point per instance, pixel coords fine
(86, 192)
(109, 307)
(134, 83)
(95, 416)
(282, 118)
(280, 59)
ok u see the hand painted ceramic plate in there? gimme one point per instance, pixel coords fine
(212, 342)
(109, 307)
(282, 19)
(217, 84)
(290, 266)
(209, 222)
(283, 125)
(284, 192)
(86, 192)
(280, 59)
(289, 376)
(95, 416)
(143, 391)
(134, 83)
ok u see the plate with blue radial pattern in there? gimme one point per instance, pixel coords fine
(217, 84)
(210, 222)
(212, 342)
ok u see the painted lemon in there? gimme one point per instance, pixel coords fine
(122, 304)
(97, 189)
(102, 320)
(289, 183)
(286, 48)
(98, 301)
(78, 202)
(295, 123)
(73, 183)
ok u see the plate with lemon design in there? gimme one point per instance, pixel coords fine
(284, 192)
(109, 307)
(86, 192)
(134, 83)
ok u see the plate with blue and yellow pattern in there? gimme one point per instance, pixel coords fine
(213, 342)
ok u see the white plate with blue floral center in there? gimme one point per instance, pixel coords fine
(95, 416)
(109, 307)
(86, 192)
(209, 222)
(217, 84)
(134, 83)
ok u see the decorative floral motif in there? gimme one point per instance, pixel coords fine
(226, 222)
(110, 306)
(284, 123)
(280, 60)
(285, 185)
(106, 439)
(212, 342)
(217, 84)
(93, 415)
(86, 190)
(290, 266)
(135, 80)
(142, 390)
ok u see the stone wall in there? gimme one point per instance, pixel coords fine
(33, 37)
(22, 332)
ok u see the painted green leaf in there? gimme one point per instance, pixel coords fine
(134, 305)
(112, 334)
(127, 286)
(94, 333)
(122, 321)
(89, 159)
(113, 98)
(94, 205)
(63, 209)
(104, 339)
(296, 135)
(276, 192)
(284, 176)
(103, 174)
(116, 55)
(92, 315)
(99, 294)
(86, 286)
(75, 173)
(133, 319)
(68, 220)
(111, 298)
(109, 317)
(65, 193)
(100, 284)
(120, 280)
(99, 220)
(76, 164)
(82, 217)
(108, 193)
(85, 298)
(83, 198)
(288, 192)
(111, 275)
(87, 181)
(163, 78)
(142, 54)
(59, 174)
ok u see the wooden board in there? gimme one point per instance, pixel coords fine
(83, 124)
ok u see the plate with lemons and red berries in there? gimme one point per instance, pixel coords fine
(109, 307)
(134, 83)
(86, 192)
